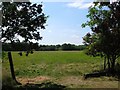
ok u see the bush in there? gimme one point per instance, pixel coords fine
(4, 56)
(7, 82)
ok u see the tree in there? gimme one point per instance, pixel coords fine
(105, 39)
(21, 20)
(68, 47)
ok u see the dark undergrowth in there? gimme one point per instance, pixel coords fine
(106, 72)
(42, 86)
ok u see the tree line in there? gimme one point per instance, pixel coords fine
(35, 46)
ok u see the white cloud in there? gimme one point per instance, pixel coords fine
(75, 36)
(81, 4)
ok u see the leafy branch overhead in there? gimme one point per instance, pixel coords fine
(22, 19)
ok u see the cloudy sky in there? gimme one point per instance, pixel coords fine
(64, 22)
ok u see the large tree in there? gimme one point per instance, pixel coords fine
(21, 20)
(104, 21)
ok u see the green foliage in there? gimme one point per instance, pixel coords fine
(4, 56)
(105, 25)
(22, 19)
(20, 46)
(7, 81)
(23, 46)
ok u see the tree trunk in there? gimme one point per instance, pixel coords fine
(108, 65)
(104, 63)
(12, 67)
(113, 65)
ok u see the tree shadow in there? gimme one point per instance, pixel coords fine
(106, 72)
(42, 86)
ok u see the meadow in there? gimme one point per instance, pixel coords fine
(63, 67)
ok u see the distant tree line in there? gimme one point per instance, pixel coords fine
(35, 46)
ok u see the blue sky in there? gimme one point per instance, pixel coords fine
(64, 22)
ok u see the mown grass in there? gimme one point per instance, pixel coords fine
(63, 67)
(54, 63)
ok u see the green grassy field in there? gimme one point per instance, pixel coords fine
(64, 67)
(54, 63)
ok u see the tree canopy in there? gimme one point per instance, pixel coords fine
(105, 25)
(22, 20)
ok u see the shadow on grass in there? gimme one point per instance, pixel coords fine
(115, 73)
(42, 86)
